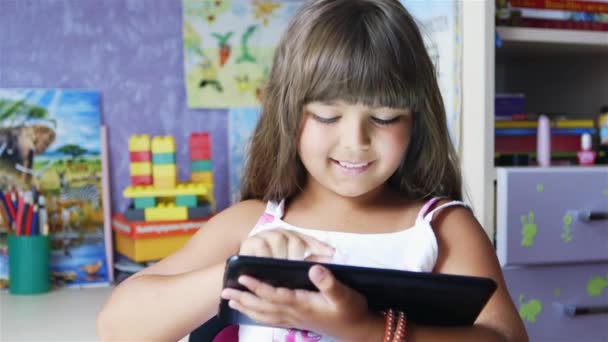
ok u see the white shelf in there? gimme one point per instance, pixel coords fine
(543, 41)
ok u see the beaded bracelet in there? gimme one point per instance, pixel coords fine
(395, 331)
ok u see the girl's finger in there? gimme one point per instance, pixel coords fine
(317, 247)
(259, 317)
(279, 296)
(277, 240)
(296, 247)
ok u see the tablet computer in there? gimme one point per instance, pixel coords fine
(427, 298)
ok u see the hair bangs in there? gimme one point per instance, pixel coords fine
(352, 65)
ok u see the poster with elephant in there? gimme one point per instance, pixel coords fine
(50, 152)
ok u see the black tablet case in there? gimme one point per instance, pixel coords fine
(427, 298)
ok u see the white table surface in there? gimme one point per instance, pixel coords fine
(66, 314)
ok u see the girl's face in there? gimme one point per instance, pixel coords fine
(352, 149)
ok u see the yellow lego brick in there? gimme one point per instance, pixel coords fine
(162, 144)
(139, 143)
(149, 249)
(198, 189)
(202, 177)
(166, 212)
(165, 182)
(164, 170)
(141, 169)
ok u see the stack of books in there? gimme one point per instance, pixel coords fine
(515, 140)
(554, 14)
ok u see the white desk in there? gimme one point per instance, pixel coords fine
(67, 314)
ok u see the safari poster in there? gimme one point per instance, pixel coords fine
(50, 148)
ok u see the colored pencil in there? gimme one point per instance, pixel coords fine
(28, 218)
(19, 218)
(9, 205)
(35, 227)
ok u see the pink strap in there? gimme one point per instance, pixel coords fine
(429, 217)
(427, 206)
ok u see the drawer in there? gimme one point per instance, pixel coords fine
(547, 296)
(541, 215)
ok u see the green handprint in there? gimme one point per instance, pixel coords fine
(530, 310)
(566, 234)
(596, 286)
(528, 230)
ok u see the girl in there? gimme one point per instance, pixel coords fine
(350, 163)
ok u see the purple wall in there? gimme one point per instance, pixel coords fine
(129, 50)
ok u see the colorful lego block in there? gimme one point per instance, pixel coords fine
(164, 170)
(202, 177)
(140, 156)
(145, 202)
(149, 249)
(165, 182)
(163, 158)
(140, 169)
(199, 212)
(200, 165)
(133, 214)
(139, 143)
(200, 146)
(141, 180)
(142, 229)
(200, 155)
(189, 201)
(166, 212)
(163, 144)
(198, 189)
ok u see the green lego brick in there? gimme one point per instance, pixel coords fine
(163, 158)
(186, 201)
(201, 165)
(145, 202)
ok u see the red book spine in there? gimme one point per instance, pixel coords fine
(564, 24)
(527, 144)
(568, 5)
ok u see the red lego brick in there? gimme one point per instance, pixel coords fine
(141, 180)
(200, 154)
(144, 156)
(200, 146)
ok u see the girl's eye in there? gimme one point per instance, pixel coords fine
(386, 121)
(325, 120)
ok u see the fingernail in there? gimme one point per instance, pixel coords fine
(225, 294)
(318, 273)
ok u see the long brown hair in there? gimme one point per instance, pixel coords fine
(358, 51)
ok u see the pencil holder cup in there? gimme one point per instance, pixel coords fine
(28, 264)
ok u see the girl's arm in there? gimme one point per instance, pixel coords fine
(174, 296)
(465, 249)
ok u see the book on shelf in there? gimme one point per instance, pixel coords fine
(562, 24)
(550, 14)
(595, 6)
(527, 143)
(554, 122)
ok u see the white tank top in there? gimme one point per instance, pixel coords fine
(411, 249)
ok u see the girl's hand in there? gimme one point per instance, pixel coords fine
(336, 311)
(285, 244)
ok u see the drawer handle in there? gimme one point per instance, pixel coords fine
(588, 215)
(571, 310)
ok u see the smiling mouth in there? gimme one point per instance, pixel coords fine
(353, 165)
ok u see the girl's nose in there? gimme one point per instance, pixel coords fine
(356, 135)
